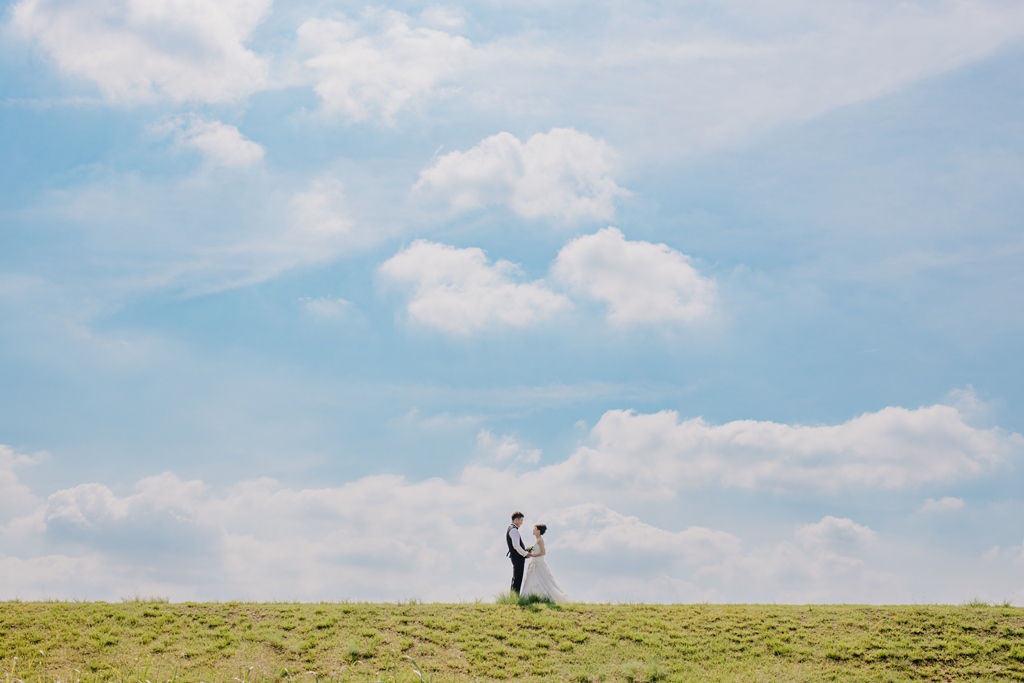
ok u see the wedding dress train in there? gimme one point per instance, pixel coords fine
(541, 582)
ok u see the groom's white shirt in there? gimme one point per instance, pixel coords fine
(513, 533)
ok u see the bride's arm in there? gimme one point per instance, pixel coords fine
(539, 550)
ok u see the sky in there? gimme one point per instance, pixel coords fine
(300, 301)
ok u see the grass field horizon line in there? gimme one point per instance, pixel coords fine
(500, 598)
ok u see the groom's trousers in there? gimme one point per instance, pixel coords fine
(518, 565)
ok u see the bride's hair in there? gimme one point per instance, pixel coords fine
(541, 528)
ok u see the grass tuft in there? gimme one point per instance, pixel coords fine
(976, 602)
(513, 598)
(643, 672)
(153, 599)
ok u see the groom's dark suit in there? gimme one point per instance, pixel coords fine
(518, 561)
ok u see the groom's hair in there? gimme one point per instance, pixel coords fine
(517, 515)
(541, 528)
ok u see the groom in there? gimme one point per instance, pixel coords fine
(516, 551)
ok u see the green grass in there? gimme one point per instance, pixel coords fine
(138, 641)
(513, 598)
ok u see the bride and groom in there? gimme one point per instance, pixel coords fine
(538, 579)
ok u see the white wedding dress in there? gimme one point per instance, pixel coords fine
(540, 581)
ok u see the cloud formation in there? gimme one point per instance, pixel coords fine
(262, 540)
(142, 50)
(206, 232)
(460, 291)
(372, 69)
(14, 494)
(506, 448)
(831, 531)
(592, 528)
(946, 504)
(220, 143)
(562, 175)
(361, 539)
(672, 80)
(319, 212)
(657, 455)
(315, 229)
(675, 80)
(640, 282)
(327, 308)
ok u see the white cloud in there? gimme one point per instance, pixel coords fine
(442, 16)
(138, 50)
(506, 448)
(85, 505)
(320, 212)
(657, 455)
(667, 78)
(969, 403)
(595, 529)
(262, 540)
(93, 505)
(642, 283)
(672, 79)
(220, 143)
(459, 291)
(833, 530)
(315, 230)
(381, 65)
(801, 573)
(14, 495)
(328, 308)
(947, 504)
(563, 175)
(206, 232)
(367, 539)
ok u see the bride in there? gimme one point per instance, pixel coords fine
(538, 580)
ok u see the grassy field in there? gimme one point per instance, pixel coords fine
(320, 643)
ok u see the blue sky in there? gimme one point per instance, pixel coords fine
(300, 302)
